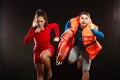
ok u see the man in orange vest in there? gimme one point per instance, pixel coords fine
(85, 47)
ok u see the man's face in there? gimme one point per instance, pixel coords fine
(84, 20)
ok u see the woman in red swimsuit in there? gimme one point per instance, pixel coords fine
(43, 50)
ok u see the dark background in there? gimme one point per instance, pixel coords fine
(16, 62)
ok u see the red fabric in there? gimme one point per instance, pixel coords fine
(65, 45)
(41, 39)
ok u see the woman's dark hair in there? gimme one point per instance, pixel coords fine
(42, 13)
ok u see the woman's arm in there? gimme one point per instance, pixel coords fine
(29, 36)
(56, 28)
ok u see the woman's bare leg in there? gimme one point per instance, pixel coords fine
(45, 58)
(40, 71)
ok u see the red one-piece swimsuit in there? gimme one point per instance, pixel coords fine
(41, 40)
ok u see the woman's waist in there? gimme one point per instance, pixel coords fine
(39, 47)
(42, 44)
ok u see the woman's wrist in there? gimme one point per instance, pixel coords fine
(56, 39)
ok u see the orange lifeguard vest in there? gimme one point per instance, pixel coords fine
(74, 24)
(92, 46)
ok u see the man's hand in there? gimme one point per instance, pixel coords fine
(92, 26)
(58, 62)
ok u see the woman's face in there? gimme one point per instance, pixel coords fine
(40, 21)
(84, 20)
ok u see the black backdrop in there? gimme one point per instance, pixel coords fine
(16, 17)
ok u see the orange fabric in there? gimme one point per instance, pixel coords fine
(87, 37)
(74, 24)
(93, 49)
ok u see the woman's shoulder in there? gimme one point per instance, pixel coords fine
(53, 23)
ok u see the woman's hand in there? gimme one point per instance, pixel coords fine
(34, 24)
(38, 29)
(56, 39)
